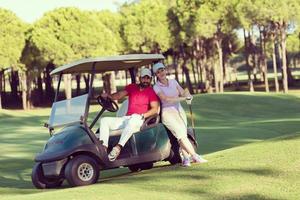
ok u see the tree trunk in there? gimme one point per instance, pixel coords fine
(48, 83)
(209, 80)
(26, 91)
(250, 82)
(87, 81)
(109, 85)
(175, 65)
(284, 66)
(14, 83)
(4, 84)
(1, 75)
(218, 43)
(194, 71)
(216, 76)
(200, 75)
(185, 71)
(113, 82)
(68, 85)
(40, 89)
(274, 64)
(263, 60)
(78, 84)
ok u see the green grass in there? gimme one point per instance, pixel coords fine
(252, 142)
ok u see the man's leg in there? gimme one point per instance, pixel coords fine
(134, 124)
(110, 123)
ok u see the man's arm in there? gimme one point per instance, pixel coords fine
(116, 96)
(154, 106)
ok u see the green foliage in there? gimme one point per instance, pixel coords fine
(182, 15)
(66, 34)
(281, 10)
(12, 39)
(214, 16)
(145, 25)
(112, 21)
(261, 12)
(293, 43)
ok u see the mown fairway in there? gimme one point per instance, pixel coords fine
(252, 142)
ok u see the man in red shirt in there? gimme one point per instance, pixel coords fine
(142, 103)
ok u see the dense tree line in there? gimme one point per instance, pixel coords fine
(205, 39)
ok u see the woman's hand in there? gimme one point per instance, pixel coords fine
(189, 99)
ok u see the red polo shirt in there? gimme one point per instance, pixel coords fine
(139, 100)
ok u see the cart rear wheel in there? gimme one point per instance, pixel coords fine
(145, 166)
(134, 168)
(42, 182)
(142, 166)
(82, 170)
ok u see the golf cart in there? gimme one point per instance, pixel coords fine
(73, 151)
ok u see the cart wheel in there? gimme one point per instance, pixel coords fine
(145, 166)
(82, 170)
(174, 157)
(134, 168)
(42, 182)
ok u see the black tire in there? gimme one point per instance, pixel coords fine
(134, 168)
(174, 157)
(40, 181)
(139, 167)
(145, 166)
(82, 170)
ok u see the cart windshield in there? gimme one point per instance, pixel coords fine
(68, 111)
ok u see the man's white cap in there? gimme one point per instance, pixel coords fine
(145, 72)
(157, 66)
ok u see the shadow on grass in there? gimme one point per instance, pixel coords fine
(248, 197)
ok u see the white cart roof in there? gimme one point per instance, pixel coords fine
(109, 63)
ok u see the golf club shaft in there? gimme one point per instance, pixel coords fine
(191, 116)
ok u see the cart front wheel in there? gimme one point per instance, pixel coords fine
(82, 170)
(42, 182)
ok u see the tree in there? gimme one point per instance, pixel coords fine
(67, 34)
(282, 13)
(214, 19)
(12, 41)
(144, 26)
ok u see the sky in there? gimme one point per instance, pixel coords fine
(31, 10)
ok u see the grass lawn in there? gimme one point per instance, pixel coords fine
(252, 142)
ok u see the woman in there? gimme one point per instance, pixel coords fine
(173, 115)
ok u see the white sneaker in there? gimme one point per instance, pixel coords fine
(198, 159)
(113, 155)
(186, 162)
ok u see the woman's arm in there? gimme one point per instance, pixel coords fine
(182, 92)
(168, 99)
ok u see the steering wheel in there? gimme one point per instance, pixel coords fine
(108, 104)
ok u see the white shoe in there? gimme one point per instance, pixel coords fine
(186, 162)
(198, 159)
(113, 155)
